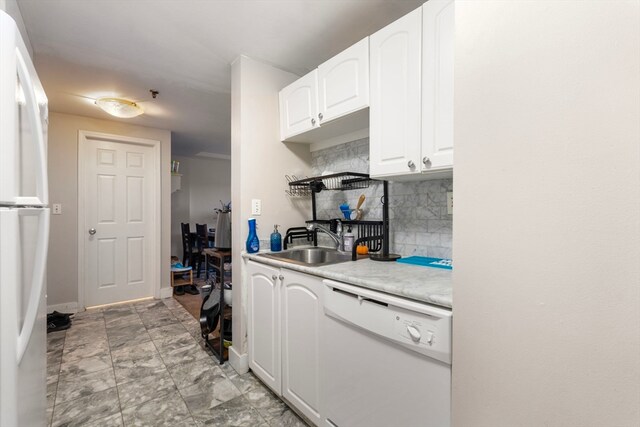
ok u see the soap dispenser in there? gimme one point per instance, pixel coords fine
(347, 240)
(276, 240)
(253, 243)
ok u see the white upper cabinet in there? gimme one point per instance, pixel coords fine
(437, 84)
(395, 95)
(343, 82)
(329, 105)
(299, 106)
(412, 95)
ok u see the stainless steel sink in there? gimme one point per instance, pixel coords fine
(310, 256)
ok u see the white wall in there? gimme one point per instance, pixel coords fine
(546, 236)
(259, 162)
(204, 183)
(62, 274)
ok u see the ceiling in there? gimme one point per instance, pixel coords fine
(184, 48)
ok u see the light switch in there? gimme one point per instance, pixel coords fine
(57, 209)
(256, 206)
(450, 202)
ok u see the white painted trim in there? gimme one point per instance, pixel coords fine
(239, 362)
(67, 307)
(166, 292)
(339, 140)
(83, 135)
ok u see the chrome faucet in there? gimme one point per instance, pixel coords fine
(336, 237)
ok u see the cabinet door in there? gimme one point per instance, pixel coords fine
(343, 82)
(395, 97)
(264, 324)
(437, 84)
(301, 335)
(299, 106)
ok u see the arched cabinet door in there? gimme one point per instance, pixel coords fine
(264, 323)
(302, 313)
(438, 40)
(395, 97)
(343, 82)
(299, 106)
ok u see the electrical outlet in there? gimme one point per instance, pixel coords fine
(450, 202)
(256, 206)
(57, 209)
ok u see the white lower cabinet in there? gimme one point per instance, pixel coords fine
(285, 315)
(264, 324)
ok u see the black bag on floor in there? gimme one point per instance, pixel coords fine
(209, 313)
(58, 321)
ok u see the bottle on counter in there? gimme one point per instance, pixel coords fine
(253, 243)
(347, 240)
(276, 240)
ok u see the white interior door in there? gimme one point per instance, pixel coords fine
(120, 199)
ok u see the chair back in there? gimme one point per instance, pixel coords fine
(202, 240)
(186, 238)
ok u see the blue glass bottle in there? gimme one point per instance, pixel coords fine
(253, 243)
(276, 240)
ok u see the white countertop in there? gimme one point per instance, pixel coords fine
(427, 284)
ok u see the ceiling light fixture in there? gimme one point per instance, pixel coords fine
(119, 107)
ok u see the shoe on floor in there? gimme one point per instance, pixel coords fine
(58, 324)
(192, 289)
(178, 290)
(58, 314)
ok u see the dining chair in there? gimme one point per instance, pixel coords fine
(202, 242)
(189, 250)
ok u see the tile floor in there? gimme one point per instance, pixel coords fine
(143, 364)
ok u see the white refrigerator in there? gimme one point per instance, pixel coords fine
(24, 233)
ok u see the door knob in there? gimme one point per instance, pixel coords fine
(313, 122)
(320, 116)
(274, 277)
(425, 160)
(92, 231)
(411, 164)
(281, 277)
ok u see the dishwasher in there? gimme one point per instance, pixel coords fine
(388, 360)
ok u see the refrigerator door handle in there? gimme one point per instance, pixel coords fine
(34, 119)
(39, 265)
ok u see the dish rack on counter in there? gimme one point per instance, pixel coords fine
(375, 234)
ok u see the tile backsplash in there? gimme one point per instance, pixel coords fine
(419, 223)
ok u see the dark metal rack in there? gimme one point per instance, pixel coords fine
(216, 258)
(374, 233)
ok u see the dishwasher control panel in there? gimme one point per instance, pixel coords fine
(416, 326)
(416, 330)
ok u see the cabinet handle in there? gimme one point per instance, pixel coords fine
(281, 277)
(274, 277)
(411, 164)
(320, 116)
(313, 122)
(425, 160)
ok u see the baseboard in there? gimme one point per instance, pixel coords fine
(166, 292)
(69, 307)
(240, 362)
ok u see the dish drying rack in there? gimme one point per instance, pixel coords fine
(375, 234)
(296, 191)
